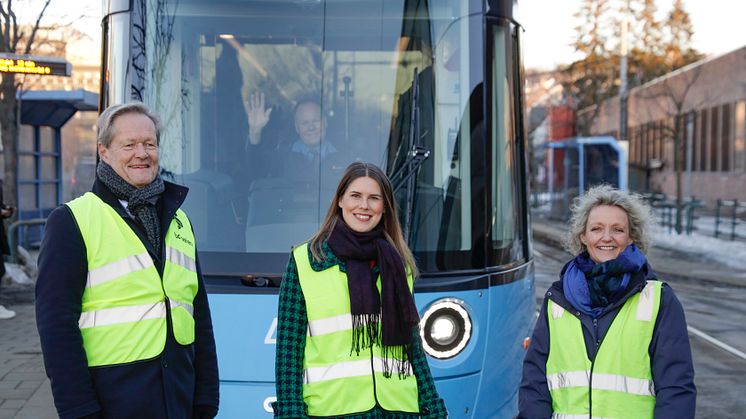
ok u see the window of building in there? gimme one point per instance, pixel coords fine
(659, 140)
(695, 142)
(725, 152)
(714, 123)
(703, 140)
(643, 151)
(638, 141)
(651, 141)
(739, 143)
(633, 144)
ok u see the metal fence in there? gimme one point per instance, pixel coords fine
(730, 218)
(665, 210)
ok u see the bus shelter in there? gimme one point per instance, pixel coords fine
(39, 169)
(576, 164)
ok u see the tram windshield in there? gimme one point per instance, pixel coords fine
(265, 103)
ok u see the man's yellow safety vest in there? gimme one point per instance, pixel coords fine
(336, 380)
(125, 302)
(618, 383)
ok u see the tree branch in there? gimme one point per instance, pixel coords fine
(36, 27)
(13, 41)
(5, 28)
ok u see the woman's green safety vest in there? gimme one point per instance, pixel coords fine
(336, 380)
(618, 383)
(125, 301)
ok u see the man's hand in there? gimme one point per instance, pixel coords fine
(258, 116)
(7, 212)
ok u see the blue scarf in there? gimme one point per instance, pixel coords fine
(590, 286)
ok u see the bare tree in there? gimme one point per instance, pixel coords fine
(15, 38)
(670, 97)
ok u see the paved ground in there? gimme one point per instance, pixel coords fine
(24, 387)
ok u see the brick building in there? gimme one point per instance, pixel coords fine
(704, 106)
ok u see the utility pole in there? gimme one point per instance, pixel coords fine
(623, 78)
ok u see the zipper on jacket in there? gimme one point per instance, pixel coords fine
(590, 390)
(593, 361)
(373, 374)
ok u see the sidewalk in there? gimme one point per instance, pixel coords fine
(24, 387)
(665, 261)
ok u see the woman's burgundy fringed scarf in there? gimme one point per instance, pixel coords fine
(394, 309)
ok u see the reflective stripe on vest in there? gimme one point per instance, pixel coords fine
(338, 381)
(119, 315)
(188, 307)
(618, 383)
(346, 370)
(123, 312)
(601, 382)
(116, 269)
(178, 258)
(329, 325)
(562, 416)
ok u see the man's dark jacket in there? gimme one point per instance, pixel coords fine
(180, 383)
(670, 354)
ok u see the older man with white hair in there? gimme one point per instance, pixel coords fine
(121, 306)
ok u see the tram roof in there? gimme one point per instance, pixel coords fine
(53, 108)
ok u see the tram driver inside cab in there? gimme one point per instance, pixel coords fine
(299, 158)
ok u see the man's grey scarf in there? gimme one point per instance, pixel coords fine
(140, 202)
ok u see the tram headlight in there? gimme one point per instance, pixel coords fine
(445, 328)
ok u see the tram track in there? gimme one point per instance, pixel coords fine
(722, 345)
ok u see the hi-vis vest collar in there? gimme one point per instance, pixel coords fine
(125, 302)
(618, 383)
(336, 380)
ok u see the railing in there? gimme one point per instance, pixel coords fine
(666, 208)
(736, 208)
(17, 226)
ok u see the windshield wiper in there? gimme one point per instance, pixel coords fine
(415, 157)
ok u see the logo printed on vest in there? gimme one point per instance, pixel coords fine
(179, 224)
(184, 239)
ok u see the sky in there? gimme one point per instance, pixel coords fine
(549, 25)
(549, 28)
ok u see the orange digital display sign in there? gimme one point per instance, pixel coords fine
(33, 65)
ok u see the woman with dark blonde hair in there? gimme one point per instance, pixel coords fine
(347, 338)
(611, 339)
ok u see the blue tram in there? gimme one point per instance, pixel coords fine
(429, 90)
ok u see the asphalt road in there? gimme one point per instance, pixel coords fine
(718, 311)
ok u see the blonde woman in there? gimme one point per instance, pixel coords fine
(611, 339)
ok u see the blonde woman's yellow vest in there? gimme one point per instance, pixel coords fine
(336, 380)
(618, 384)
(125, 302)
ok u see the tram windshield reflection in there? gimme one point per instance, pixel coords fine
(359, 62)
